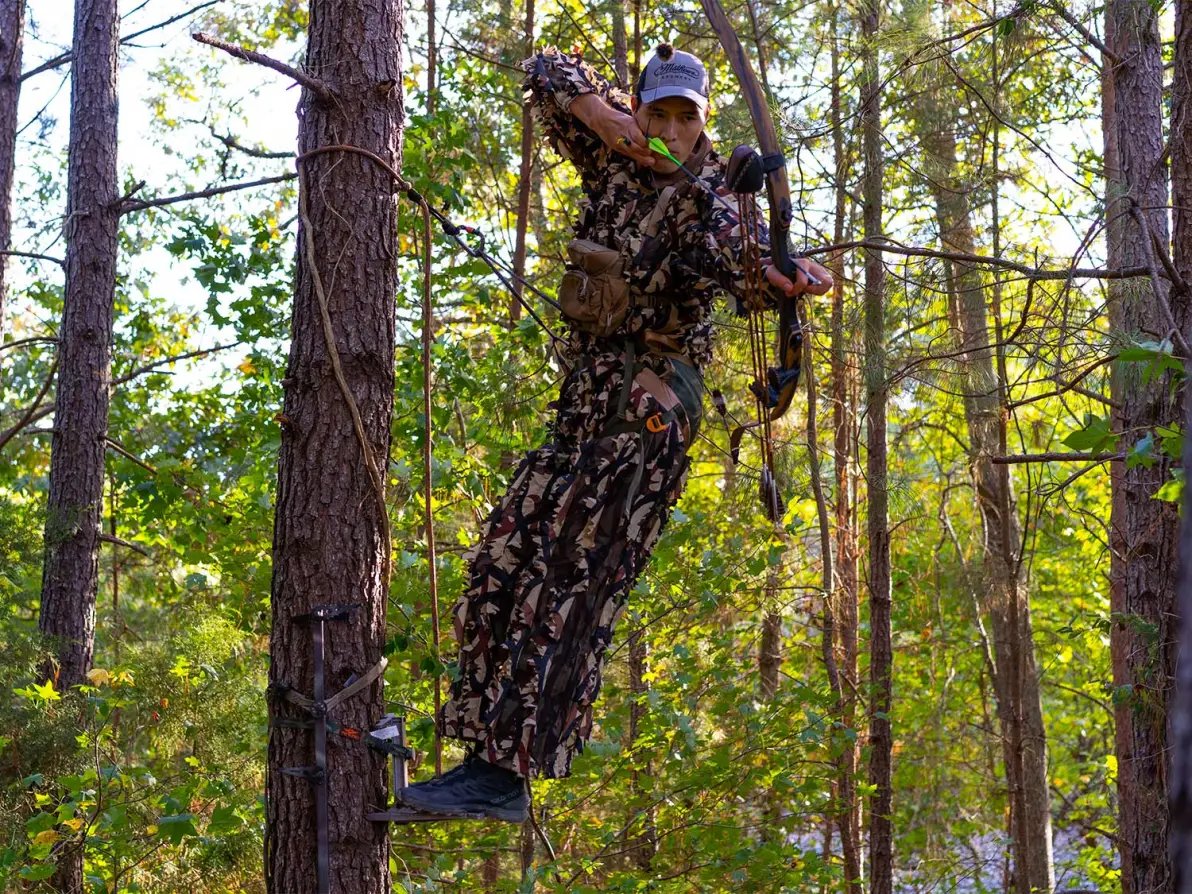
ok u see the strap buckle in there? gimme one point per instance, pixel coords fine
(656, 424)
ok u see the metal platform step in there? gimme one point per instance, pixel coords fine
(403, 815)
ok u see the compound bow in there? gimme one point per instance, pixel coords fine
(777, 391)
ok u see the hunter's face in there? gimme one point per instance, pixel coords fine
(676, 121)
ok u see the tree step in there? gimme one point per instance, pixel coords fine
(402, 815)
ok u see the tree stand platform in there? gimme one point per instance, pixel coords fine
(392, 732)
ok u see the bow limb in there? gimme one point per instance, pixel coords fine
(784, 377)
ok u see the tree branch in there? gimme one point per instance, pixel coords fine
(141, 205)
(149, 367)
(314, 85)
(116, 541)
(32, 254)
(177, 18)
(1084, 32)
(30, 414)
(48, 339)
(63, 58)
(129, 455)
(1057, 458)
(1030, 272)
(232, 143)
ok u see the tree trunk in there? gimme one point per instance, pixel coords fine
(70, 575)
(12, 34)
(71, 569)
(844, 452)
(642, 838)
(330, 532)
(1005, 600)
(1143, 531)
(1181, 713)
(525, 181)
(881, 841)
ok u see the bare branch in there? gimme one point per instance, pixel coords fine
(177, 18)
(37, 257)
(156, 364)
(1013, 458)
(314, 85)
(31, 414)
(1161, 297)
(232, 143)
(1064, 387)
(116, 541)
(63, 58)
(1025, 270)
(1084, 32)
(33, 339)
(129, 455)
(141, 205)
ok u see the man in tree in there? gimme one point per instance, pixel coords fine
(562, 550)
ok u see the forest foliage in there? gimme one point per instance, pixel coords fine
(698, 778)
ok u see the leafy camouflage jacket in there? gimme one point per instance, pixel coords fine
(698, 252)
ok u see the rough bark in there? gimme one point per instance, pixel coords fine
(70, 575)
(12, 33)
(525, 180)
(844, 452)
(84, 368)
(769, 649)
(1181, 712)
(1143, 531)
(881, 839)
(330, 536)
(642, 842)
(1005, 598)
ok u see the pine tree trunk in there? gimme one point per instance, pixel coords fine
(1143, 531)
(1005, 599)
(71, 571)
(330, 536)
(642, 840)
(881, 841)
(525, 180)
(1181, 712)
(844, 452)
(70, 575)
(12, 35)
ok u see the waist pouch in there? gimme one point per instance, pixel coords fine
(594, 294)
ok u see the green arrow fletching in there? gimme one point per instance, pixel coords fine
(660, 147)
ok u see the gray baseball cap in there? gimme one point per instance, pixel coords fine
(673, 73)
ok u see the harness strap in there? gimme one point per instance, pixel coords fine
(305, 702)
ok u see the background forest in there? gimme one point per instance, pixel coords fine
(947, 159)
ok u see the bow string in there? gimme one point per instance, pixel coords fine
(775, 384)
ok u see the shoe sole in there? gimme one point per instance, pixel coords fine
(505, 814)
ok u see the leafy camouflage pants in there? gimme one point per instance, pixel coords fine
(555, 565)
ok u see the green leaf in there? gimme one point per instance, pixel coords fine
(1172, 490)
(37, 873)
(1095, 437)
(1142, 454)
(224, 820)
(1171, 440)
(177, 827)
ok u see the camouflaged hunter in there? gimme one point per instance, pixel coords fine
(561, 550)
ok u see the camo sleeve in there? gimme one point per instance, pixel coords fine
(721, 246)
(553, 81)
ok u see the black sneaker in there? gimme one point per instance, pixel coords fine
(476, 789)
